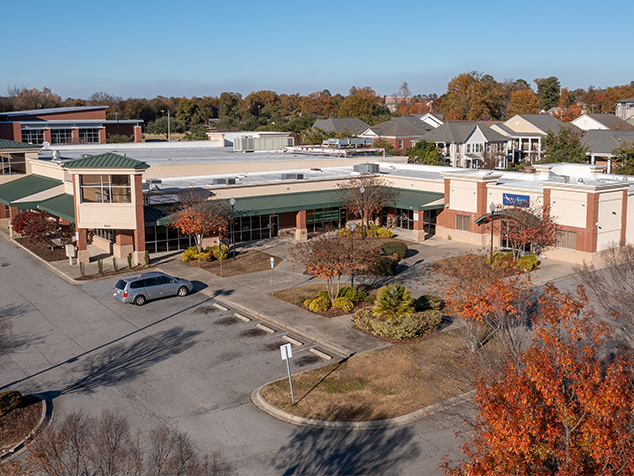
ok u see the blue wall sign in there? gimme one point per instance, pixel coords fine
(516, 200)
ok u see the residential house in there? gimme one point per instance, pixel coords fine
(434, 120)
(527, 132)
(601, 143)
(469, 144)
(591, 122)
(399, 132)
(341, 125)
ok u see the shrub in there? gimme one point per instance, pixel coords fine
(343, 233)
(343, 303)
(323, 294)
(216, 252)
(427, 302)
(189, 254)
(384, 233)
(370, 299)
(147, 258)
(394, 247)
(207, 256)
(114, 264)
(415, 325)
(130, 260)
(307, 302)
(383, 266)
(320, 304)
(9, 400)
(393, 301)
(348, 292)
(527, 263)
(100, 266)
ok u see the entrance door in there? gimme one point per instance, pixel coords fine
(273, 225)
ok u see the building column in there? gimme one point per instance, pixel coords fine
(83, 256)
(139, 232)
(4, 217)
(592, 218)
(623, 219)
(47, 136)
(301, 233)
(102, 135)
(418, 233)
(124, 243)
(74, 135)
(138, 134)
(13, 212)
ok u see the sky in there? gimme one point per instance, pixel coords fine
(142, 48)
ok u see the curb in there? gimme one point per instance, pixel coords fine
(258, 400)
(47, 414)
(332, 347)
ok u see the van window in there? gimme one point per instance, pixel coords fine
(165, 280)
(151, 282)
(137, 284)
(120, 284)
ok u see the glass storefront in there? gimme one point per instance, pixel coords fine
(258, 227)
(165, 238)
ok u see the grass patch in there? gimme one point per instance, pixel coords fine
(448, 265)
(250, 261)
(382, 384)
(17, 424)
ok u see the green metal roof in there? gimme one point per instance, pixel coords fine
(156, 213)
(61, 206)
(11, 144)
(25, 186)
(109, 160)
(293, 202)
(506, 214)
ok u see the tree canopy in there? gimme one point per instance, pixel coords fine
(424, 152)
(548, 92)
(624, 158)
(564, 146)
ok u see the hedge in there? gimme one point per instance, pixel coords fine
(395, 247)
(398, 328)
(383, 266)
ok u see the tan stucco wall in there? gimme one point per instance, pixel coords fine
(463, 196)
(48, 169)
(569, 208)
(518, 124)
(610, 205)
(462, 236)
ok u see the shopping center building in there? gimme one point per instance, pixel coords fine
(119, 196)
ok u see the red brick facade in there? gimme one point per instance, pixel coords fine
(139, 233)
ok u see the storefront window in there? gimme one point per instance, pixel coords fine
(106, 189)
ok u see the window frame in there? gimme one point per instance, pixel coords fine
(463, 223)
(106, 190)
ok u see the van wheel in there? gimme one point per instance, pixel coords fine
(139, 300)
(183, 291)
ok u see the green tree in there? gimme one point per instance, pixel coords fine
(196, 133)
(624, 157)
(161, 124)
(466, 98)
(548, 90)
(564, 146)
(231, 106)
(361, 102)
(424, 152)
(387, 145)
(392, 301)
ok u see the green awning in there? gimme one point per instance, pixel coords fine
(407, 199)
(61, 206)
(24, 187)
(156, 214)
(506, 214)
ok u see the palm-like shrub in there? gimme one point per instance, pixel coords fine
(392, 301)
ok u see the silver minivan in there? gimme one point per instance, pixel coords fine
(148, 286)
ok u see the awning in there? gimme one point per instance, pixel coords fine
(61, 206)
(506, 214)
(407, 199)
(26, 192)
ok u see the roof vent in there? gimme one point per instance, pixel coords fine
(84, 156)
(292, 176)
(223, 181)
(580, 180)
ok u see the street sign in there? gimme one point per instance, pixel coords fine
(287, 352)
(272, 262)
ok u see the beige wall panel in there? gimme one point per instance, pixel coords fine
(629, 233)
(114, 215)
(463, 196)
(48, 169)
(462, 236)
(569, 208)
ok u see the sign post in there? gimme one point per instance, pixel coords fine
(272, 266)
(287, 353)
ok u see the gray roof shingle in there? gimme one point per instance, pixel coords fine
(341, 125)
(458, 132)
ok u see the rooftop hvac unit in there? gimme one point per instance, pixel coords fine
(292, 176)
(244, 144)
(367, 168)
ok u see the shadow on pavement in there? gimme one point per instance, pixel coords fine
(312, 451)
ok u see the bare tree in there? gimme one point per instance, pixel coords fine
(83, 445)
(377, 194)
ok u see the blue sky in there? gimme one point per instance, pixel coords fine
(141, 48)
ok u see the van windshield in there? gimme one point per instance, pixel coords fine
(120, 284)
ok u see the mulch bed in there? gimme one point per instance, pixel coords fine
(251, 261)
(17, 424)
(43, 250)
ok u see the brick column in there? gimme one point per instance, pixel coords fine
(482, 207)
(83, 256)
(623, 219)
(13, 212)
(418, 233)
(102, 135)
(138, 134)
(139, 232)
(124, 243)
(74, 135)
(47, 136)
(4, 217)
(17, 131)
(301, 233)
(444, 218)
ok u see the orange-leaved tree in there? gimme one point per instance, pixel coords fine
(564, 407)
(329, 257)
(198, 215)
(492, 301)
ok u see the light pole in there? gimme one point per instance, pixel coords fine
(492, 208)
(352, 226)
(362, 190)
(232, 202)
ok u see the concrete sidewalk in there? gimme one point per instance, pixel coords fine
(251, 292)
